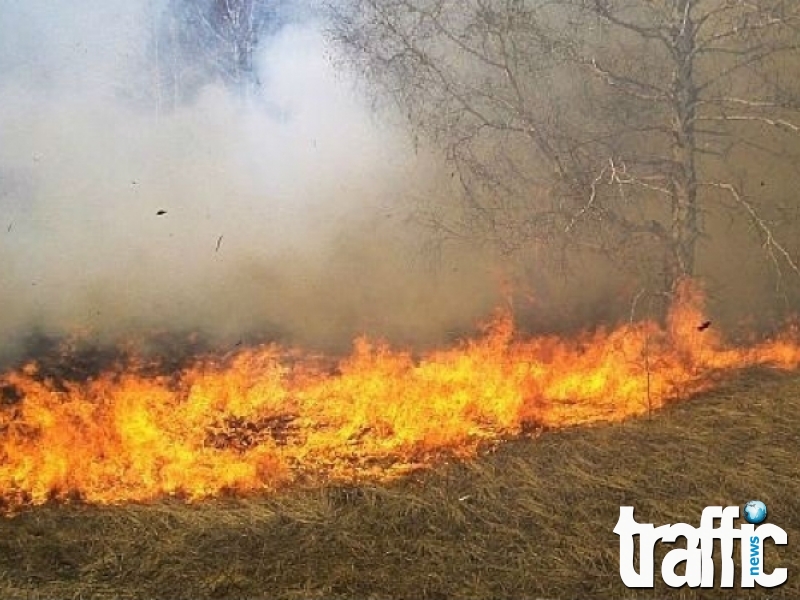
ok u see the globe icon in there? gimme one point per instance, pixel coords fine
(755, 512)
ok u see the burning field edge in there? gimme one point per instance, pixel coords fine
(267, 418)
(532, 518)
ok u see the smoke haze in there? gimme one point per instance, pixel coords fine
(284, 211)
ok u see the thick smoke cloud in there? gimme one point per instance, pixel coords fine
(285, 210)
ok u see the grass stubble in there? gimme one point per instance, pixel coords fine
(532, 518)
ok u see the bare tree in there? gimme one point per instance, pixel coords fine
(195, 42)
(614, 126)
(234, 29)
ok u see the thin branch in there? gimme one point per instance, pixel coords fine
(770, 244)
(781, 124)
(589, 204)
(638, 89)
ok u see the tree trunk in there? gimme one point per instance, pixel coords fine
(683, 184)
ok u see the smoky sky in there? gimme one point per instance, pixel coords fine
(283, 208)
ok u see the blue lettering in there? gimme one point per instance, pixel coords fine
(754, 551)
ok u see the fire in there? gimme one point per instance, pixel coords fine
(268, 417)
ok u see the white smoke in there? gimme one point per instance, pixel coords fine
(260, 193)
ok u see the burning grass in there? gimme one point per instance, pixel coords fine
(266, 418)
(529, 519)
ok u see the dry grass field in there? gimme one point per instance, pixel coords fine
(531, 519)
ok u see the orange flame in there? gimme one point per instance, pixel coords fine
(269, 417)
